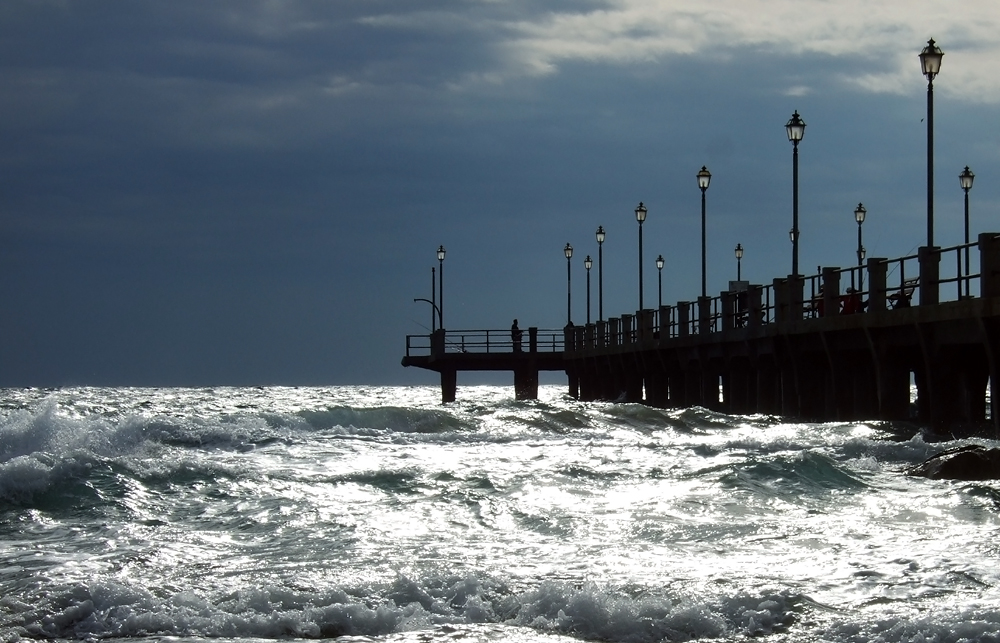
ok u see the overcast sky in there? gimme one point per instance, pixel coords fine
(252, 191)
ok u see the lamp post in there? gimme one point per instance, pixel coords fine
(795, 128)
(859, 216)
(568, 251)
(640, 216)
(930, 64)
(965, 179)
(739, 259)
(600, 273)
(433, 301)
(441, 287)
(659, 281)
(704, 178)
(588, 263)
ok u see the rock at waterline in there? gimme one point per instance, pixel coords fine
(966, 463)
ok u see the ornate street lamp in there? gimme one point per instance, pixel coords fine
(965, 179)
(739, 259)
(441, 287)
(587, 263)
(930, 65)
(659, 280)
(859, 216)
(568, 251)
(640, 216)
(795, 128)
(704, 178)
(600, 273)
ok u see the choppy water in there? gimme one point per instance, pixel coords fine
(376, 514)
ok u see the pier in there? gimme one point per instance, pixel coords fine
(792, 347)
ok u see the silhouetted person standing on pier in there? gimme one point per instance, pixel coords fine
(515, 336)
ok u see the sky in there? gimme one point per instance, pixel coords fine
(251, 192)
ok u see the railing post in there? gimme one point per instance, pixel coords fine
(569, 338)
(728, 310)
(929, 258)
(704, 315)
(683, 318)
(663, 318)
(796, 284)
(627, 337)
(780, 290)
(588, 336)
(437, 342)
(755, 306)
(645, 323)
(877, 275)
(533, 339)
(989, 264)
(602, 334)
(831, 292)
(614, 331)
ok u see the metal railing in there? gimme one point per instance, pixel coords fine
(487, 341)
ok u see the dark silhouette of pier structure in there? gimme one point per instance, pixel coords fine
(784, 348)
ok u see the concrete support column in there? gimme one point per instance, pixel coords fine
(449, 385)
(526, 383)
(633, 381)
(693, 393)
(929, 259)
(768, 388)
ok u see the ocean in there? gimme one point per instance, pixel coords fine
(378, 514)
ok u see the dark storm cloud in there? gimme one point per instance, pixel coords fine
(252, 192)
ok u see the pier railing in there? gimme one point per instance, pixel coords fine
(931, 276)
(486, 341)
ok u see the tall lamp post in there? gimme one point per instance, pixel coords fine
(659, 281)
(930, 64)
(704, 178)
(600, 273)
(441, 287)
(568, 251)
(588, 263)
(434, 307)
(739, 259)
(795, 128)
(640, 216)
(965, 179)
(859, 216)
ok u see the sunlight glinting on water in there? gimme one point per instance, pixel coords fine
(368, 511)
